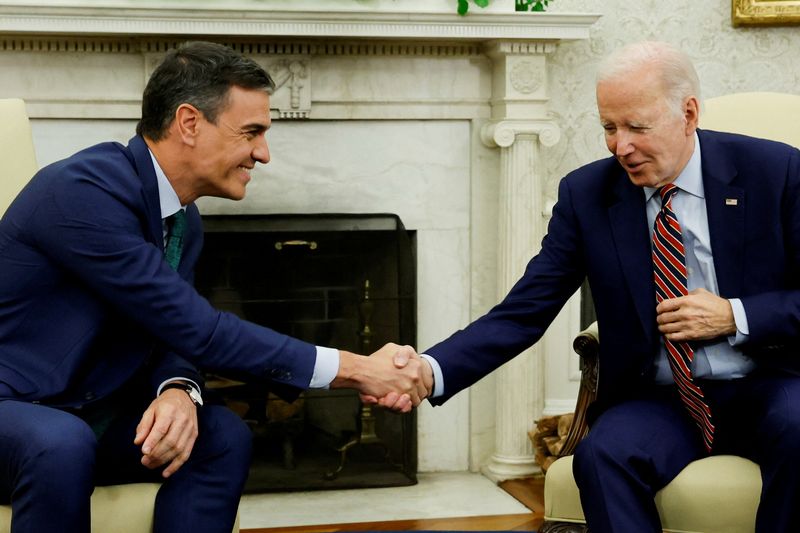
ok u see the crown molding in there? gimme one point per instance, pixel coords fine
(248, 20)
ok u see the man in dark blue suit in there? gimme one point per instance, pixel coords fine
(728, 338)
(102, 335)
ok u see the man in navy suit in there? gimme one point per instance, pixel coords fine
(101, 335)
(737, 205)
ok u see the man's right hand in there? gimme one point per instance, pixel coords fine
(402, 402)
(394, 376)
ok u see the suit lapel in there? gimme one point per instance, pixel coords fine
(632, 238)
(145, 170)
(725, 208)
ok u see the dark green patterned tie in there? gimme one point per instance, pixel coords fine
(176, 225)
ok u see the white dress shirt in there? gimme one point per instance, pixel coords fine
(721, 358)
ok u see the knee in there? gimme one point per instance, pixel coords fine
(226, 434)
(784, 425)
(590, 452)
(64, 449)
(605, 441)
(610, 446)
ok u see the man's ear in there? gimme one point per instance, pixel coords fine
(691, 113)
(187, 123)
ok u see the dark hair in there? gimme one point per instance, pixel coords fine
(197, 73)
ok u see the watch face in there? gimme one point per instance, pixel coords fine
(194, 395)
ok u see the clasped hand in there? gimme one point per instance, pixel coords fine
(700, 315)
(395, 377)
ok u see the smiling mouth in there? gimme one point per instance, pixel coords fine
(633, 168)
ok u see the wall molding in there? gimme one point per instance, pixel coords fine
(557, 406)
(250, 21)
(154, 45)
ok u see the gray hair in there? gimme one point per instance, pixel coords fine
(678, 75)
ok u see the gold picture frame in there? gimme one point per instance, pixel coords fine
(765, 12)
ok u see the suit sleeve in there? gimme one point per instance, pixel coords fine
(773, 316)
(521, 319)
(95, 233)
(166, 365)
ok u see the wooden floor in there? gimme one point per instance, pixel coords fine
(529, 491)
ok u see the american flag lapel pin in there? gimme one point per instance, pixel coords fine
(731, 201)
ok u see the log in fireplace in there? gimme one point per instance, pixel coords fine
(345, 281)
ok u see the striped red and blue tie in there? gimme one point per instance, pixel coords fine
(670, 277)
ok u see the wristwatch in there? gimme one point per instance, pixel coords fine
(193, 393)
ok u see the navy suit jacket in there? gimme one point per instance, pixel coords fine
(87, 300)
(599, 231)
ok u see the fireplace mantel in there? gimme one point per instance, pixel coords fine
(63, 49)
(441, 119)
(260, 19)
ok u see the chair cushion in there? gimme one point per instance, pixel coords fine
(713, 495)
(16, 150)
(118, 508)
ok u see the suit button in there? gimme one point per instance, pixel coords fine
(89, 396)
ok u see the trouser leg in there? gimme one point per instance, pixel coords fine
(203, 495)
(632, 451)
(47, 460)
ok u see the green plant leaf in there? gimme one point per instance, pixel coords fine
(519, 5)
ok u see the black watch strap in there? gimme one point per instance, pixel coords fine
(193, 393)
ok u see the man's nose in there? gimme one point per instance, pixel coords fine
(261, 150)
(624, 144)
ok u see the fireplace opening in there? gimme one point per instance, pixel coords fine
(343, 281)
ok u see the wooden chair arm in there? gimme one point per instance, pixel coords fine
(587, 345)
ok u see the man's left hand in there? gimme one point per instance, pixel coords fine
(167, 431)
(698, 316)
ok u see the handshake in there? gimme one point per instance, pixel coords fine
(395, 377)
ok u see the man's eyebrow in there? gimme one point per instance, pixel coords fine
(255, 127)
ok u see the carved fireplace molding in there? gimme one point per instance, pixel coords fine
(74, 61)
(327, 19)
(57, 28)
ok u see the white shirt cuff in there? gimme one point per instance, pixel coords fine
(438, 378)
(188, 381)
(325, 368)
(740, 317)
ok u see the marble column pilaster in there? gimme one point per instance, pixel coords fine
(521, 131)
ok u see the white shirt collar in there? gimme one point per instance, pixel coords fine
(168, 198)
(691, 177)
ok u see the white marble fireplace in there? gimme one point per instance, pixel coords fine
(383, 106)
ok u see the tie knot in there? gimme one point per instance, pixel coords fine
(667, 192)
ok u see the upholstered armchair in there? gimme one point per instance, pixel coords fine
(713, 495)
(118, 508)
(717, 494)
